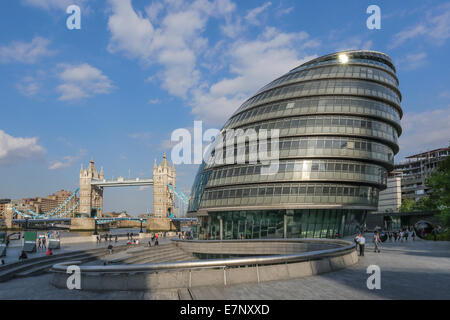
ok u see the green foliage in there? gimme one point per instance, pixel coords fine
(439, 181)
(407, 205)
(441, 236)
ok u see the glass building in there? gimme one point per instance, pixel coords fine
(338, 118)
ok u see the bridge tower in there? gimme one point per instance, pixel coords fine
(163, 197)
(91, 197)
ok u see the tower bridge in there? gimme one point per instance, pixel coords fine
(87, 200)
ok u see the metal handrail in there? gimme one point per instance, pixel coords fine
(220, 263)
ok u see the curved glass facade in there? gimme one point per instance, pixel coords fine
(338, 126)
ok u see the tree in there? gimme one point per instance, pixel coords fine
(407, 205)
(439, 181)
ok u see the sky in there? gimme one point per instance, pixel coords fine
(115, 89)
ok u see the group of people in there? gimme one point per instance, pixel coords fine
(402, 235)
(360, 242)
(106, 236)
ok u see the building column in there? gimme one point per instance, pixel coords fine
(285, 226)
(220, 228)
(341, 231)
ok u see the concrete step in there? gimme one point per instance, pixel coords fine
(175, 256)
(36, 264)
(44, 267)
(149, 256)
(151, 253)
(184, 294)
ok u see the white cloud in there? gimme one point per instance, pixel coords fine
(425, 131)
(14, 149)
(67, 161)
(174, 44)
(140, 135)
(82, 81)
(412, 61)
(154, 101)
(254, 64)
(435, 27)
(53, 4)
(175, 41)
(28, 86)
(252, 15)
(25, 52)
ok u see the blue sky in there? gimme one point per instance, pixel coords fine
(137, 70)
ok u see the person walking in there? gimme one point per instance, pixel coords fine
(413, 235)
(39, 243)
(406, 235)
(376, 241)
(44, 245)
(23, 256)
(110, 248)
(362, 243)
(128, 236)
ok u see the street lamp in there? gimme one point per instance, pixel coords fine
(141, 226)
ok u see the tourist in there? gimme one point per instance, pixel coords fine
(116, 239)
(137, 241)
(406, 235)
(39, 243)
(128, 236)
(98, 239)
(401, 235)
(23, 255)
(376, 241)
(434, 232)
(3, 262)
(390, 236)
(361, 242)
(150, 243)
(49, 252)
(44, 246)
(413, 235)
(110, 237)
(356, 242)
(110, 248)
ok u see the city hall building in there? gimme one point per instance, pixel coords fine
(338, 118)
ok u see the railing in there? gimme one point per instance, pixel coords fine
(346, 247)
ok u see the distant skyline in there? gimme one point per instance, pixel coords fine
(137, 70)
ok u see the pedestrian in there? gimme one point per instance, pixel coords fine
(23, 256)
(434, 232)
(98, 239)
(110, 248)
(44, 245)
(406, 235)
(356, 242)
(117, 239)
(362, 243)
(376, 241)
(49, 252)
(110, 237)
(137, 241)
(39, 243)
(390, 236)
(401, 236)
(413, 235)
(128, 236)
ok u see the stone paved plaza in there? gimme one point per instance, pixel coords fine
(412, 270)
